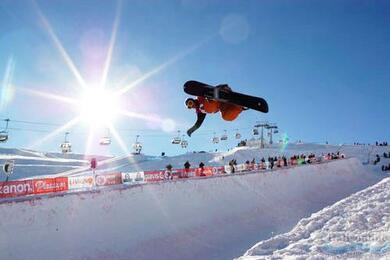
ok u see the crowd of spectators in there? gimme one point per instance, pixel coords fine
(269, 163)
(282, 161)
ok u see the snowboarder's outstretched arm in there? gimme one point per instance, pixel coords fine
(200, 118)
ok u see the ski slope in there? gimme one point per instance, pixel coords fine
(200, 218)
(355, 227)
(210, 218)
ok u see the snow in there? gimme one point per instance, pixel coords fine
(213, 218)
(205, 218)
(357, 226)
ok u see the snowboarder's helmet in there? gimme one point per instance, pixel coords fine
(190, 103)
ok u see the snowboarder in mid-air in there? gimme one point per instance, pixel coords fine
(222, 99)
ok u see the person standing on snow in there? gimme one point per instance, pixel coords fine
(201, 167)
(187, 166)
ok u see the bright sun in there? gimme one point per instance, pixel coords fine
(98, 106)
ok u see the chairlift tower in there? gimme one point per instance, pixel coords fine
(262, 125)
(271, 128)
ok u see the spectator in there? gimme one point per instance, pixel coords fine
(187, 166)
(377, 159)
(168, 172)
(232, 168)
(201, 167)
(284, 160)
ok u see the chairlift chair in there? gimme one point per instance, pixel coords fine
(224, 137)
(4, 133)
(215, 139)
(105, 140)
(176, 139)
(137, 146)
(3, 136)
(184, 144)
(255, 131)
(66, 146)
(238, 135)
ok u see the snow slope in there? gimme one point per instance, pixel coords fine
(141, 162)
(206, 218)
(29, 163)
(357, 226)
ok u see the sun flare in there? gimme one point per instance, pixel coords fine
(98, 106)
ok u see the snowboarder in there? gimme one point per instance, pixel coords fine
(203, 106)
(220, 98)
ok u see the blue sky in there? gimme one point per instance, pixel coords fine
(323, 67)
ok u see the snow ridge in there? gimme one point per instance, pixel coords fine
(357, 226)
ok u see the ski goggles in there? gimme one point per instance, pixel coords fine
(190, 103)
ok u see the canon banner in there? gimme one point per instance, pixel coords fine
(16, 188)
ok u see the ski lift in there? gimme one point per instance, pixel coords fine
(255, 131)
(106, 140)
(4, 133)
(224, 137)
(238, 135)
(137, 146)
(176, 139)
(215, 139)
(276, 131)
(183, 143)
(66, 146)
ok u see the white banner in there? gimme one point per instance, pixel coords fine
(80, 182)
(133, 177)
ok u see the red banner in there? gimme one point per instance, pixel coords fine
(50, 185)
(206, 171)
(154, 176)
(109, 179)
(16, 188)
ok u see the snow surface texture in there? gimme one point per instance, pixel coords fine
(355, 227)
(208, 218)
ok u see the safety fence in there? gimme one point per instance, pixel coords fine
(33, 187)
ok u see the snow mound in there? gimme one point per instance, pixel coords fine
(355, 227)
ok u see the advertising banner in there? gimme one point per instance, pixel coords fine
(133, 177)
(80, 182)
(219, 170)
(154, 176)
(207, 171)
(108, 179)
(16, 188)
(50, 185)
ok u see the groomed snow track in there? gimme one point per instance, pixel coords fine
(211, 218)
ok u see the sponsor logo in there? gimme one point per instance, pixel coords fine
(109, 179)
(11, 189)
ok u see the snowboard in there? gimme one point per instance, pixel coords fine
(220, 93)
